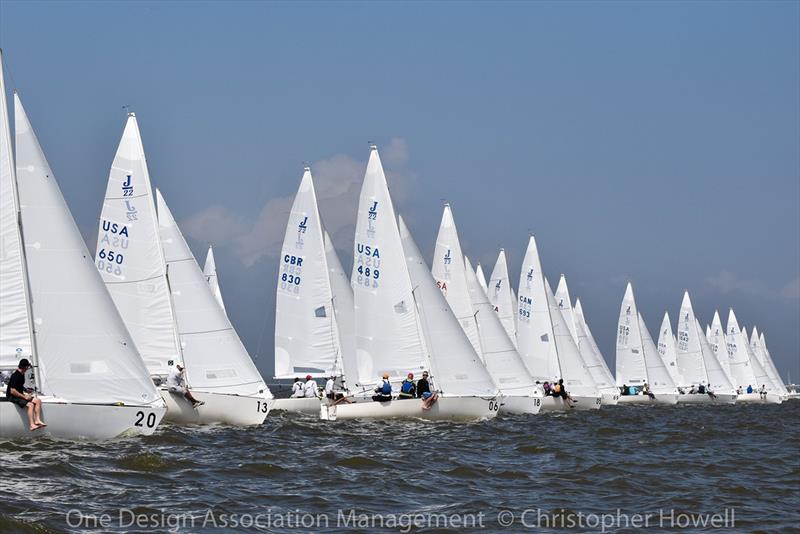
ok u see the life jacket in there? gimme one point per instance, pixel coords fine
(631, 390)
(557, 388)
(406, 386)
(386, 388)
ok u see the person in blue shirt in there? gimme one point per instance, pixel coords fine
(408, 389)
(749, 389)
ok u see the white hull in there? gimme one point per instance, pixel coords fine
(704, 398)
(444, 409)
(755, 398)
(557, 404)
(81, 421)
(297, 405)
(661, 398)
(519, 405)
(610, 399)
(218, 408)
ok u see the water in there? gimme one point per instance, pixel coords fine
(690, 460)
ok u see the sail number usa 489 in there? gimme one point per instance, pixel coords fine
(368, 265)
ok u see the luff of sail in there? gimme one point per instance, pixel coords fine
(210, 272)
(84, 352)
(129, 255)
(306, 331)
(213, 355)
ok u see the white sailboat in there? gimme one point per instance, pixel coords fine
(697, 364)
(166, 302)
(592, 357)
(544, 340)
(769, 366)
(210, 272)
(471, 306)
(667, 348)
(716, 339)
(481, 278)
(403, 322)
(501, 296)
(610, 395)
(746, 370)
(638, 361)
(55, 311)
(314, 303)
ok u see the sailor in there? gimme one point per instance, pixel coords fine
(624, 390)
(646, 391)
(749, 389)
(560, 391)
(701, 389)
(547, 389)
(763, 392)
(175, 385)
(383, 392)
(739, 390)
(423, 386)
(15, 392)
(330, 390)
(297, 388)
(408, 390)
(310, 389)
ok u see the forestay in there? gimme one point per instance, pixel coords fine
(129, 255)
(535, 339)
(631, 368)
(84, 351)
(214, 357)
(501, 296)
(210, 272)
(456, 368)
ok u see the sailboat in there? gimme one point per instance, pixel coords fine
(638, 361)
(592, 357)
(716, 339)
(545, 342)
(697, 364)
(762, 344)
(667, 348)
(746, 370)
(501, 296)
(470, 304)
(56, 312)
(769, 366)
(166, 302)
(210, 272)
(403, 322)
(314, 304)
(481, 278)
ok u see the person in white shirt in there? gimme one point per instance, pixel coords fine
(311, 389)
(329, 385)
(297, 389)
(175, 385)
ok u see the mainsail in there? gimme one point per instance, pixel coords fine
(501, 296)
(691, 365)
(667, 348)
(742, 373)
(659, 379)
(631, 368)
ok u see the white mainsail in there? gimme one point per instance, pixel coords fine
(565, 305)
(535, 339)
(742, 372)
(456, 368)
(214, 356)
(718, 345)
(659, 379)
(481, 278)
(129, 255)
(631, 369)
(770, 363)
(210, 272)
(689, 355)
(667, 348)
(447, 268)
(83, 350)
(387, 326)
(307, 338)
(576, 376)
(591, 354)
(501, 296)
(16, 328)
(760, 371)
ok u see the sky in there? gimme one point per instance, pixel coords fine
(656, 142)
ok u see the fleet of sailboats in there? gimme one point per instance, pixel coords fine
(106, 335)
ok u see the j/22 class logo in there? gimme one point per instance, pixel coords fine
(127, 187)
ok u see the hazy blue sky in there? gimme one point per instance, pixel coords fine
(656, 142)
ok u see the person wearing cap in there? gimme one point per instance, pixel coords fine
(423, 386)
(15, 392)
(383, 392)
(310, 388)
(175, 385)
(408, 389)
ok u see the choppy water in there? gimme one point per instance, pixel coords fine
(638, 460)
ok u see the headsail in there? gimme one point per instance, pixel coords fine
(210, 272)
(717, 342)
(565, 305)
(481, 278)
(129, 255)
(591, 353)
(501, 296)
(667, 349)
(215, 358)
(84, 351)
